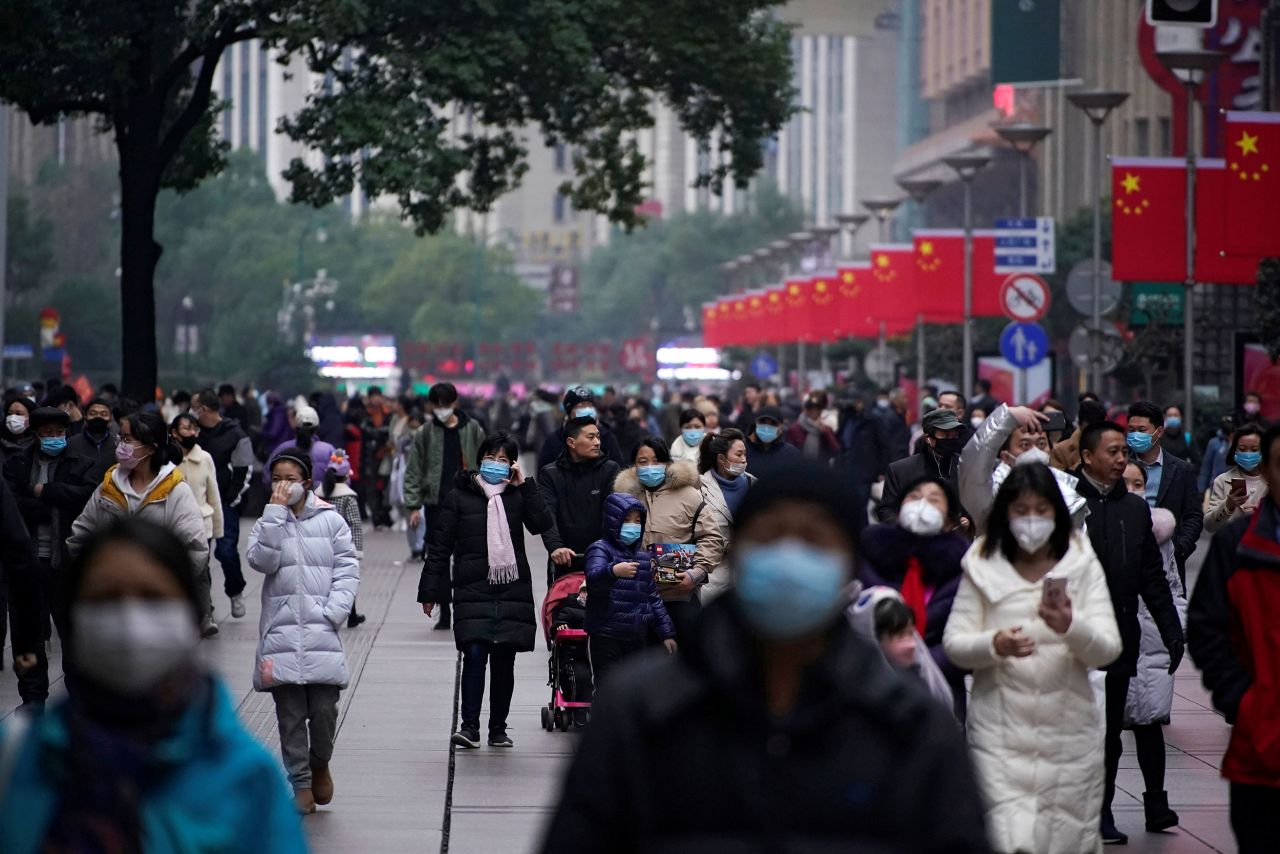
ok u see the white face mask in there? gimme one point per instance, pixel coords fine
(736, 469)
(975, 422)
(17, 424)
(443, 415)
(1032, 532)
(129, 645)
(296, 492)
(921, 517)
(1032, 455)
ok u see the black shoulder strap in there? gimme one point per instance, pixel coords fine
(693, 528)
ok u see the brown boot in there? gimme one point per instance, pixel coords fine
(322, 783)
(304, 802)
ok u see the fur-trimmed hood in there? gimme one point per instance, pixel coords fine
(679, 476)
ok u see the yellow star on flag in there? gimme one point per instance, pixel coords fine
(926, 248)
(848, 277)
(1248, 143)
(882, 260)
(1131, 183)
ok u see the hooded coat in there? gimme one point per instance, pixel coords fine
(312, 573)
(1150, 696)
(1035, 731)
(483, 612)
(623, 608)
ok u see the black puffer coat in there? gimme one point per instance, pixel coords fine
(491, 613)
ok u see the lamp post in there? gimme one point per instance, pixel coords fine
(966, 167)
(1197, 64)
(1023, 137)
(1097, 104)
(799, 242)
(851, 222)
(882, 210)
(919, 189)
(187, 337)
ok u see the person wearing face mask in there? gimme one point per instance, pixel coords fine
(920, 558)
(675, 513)
(335, 489)
(1032, 616)
(768, 451)
(725, 482)
(686, 446)
(943, 435)
(1013, 435)
(1150, 699)
(479, 526)
(232, 452)
(773, 689)
(624, 607)
(97, 441)
(1171, 481)
(16, 435)
(146, 753)
(1121, 532)
(891, 409)
(1251, 410)
(304, 550)
(1241, 488)
(810, 435)
(441, 449)
(579, 402)
(198, 472)
(1176, 439)
(305, 422)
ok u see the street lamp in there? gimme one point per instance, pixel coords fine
(882, 210)
(188, 338)
(1097, 104)
(1023, 137)
(851, 222)
(919, 189)
(1197, 64)
(966, 167)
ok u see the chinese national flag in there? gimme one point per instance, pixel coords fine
(853, 316)
(1253, 183)
(823, 321)
(737, 322)
(795, 299)
(710, 327)
(756, 322)
(939, 259)
(893, 285)
(775, 309)
(1214, 263)
(1148, 219)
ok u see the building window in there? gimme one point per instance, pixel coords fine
(561, 157)
(558, 207)
(245, 87)
(1142, 137)
(264, 63)
(835, 125)
(1166, 137)
(228, 91)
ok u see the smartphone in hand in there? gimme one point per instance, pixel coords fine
(1054, 592)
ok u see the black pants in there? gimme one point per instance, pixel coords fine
(1253, 816)
(605, 653)
(501, 660)
(431, 514)
(1150, 742)
(1117, 692)
(33, 686)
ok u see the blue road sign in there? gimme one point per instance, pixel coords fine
(764, 365)
(1024, 345)
(1025, 245)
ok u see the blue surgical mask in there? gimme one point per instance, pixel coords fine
(1172, 423)
(53, 445)
(630, 532)
(693, 438)
(1139, 442)
(652, 476)
(494, 472)
(789, 588)
(767, 433)
(1248, 460)
(585, 412)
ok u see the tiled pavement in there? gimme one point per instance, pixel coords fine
(392, 762)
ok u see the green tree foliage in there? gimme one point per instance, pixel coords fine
(29, 247)
(430, 101)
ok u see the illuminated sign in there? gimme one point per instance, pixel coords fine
(354, 357)
(691, 363)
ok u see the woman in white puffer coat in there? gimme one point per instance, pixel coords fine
(304, 548)
(1035, 733)
(1150, 699)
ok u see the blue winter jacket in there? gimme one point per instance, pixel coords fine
(211, 786)
(623, 608)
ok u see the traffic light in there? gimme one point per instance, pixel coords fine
(1182, 13)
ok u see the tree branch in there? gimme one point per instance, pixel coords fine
(192, 52)
(199, 103)
(44, 112)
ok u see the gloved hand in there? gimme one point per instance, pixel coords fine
(1176, 650)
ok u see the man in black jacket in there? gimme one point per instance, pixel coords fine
(944, 436)
(96, 442)
(50, 488)
(232, 452)
(574, 488)
(768, 453)
(579, 403)
(1171, 482)
(1119, 525)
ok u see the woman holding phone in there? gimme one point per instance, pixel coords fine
(1238, 490)
(1033, 615)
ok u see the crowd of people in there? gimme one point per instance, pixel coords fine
(854, 598)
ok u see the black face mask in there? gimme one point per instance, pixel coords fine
(187, 442)
(946, 449)
(97, 426)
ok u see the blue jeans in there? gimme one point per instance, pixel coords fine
(501, 659)
(227, 550)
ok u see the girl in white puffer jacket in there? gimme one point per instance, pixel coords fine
(304, 548)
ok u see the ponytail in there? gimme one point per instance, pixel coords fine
(715, 444)
(330, 480)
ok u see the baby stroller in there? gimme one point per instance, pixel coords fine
(569, 672)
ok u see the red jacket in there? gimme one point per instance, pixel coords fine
(1233, 632)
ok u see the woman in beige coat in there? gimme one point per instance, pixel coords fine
(675, 513)
(198, 471)
(1226, 500)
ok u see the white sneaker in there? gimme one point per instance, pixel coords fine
(208, 628)
(237, 606)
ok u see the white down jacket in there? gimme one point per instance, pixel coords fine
(1150, 696)
(1035, 734)
(311, 574)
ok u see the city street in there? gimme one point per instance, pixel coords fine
(392, 763)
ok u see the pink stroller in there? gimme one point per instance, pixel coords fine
(569, 672)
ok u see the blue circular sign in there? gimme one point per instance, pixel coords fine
(764, 365)
(1024, 345)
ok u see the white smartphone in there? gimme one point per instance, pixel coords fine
(1055, 591)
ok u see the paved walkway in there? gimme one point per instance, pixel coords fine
(392, 764)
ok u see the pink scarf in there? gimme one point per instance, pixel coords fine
(503, 568)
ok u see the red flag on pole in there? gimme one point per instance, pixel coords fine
(1148, 219)
(756, 321)
(893, 285)
(823, 321)
(939, 258)
(710, 331)
(1253, 183)
(1213, 262)
(775, 315)
(796, 317)
(853, 301)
